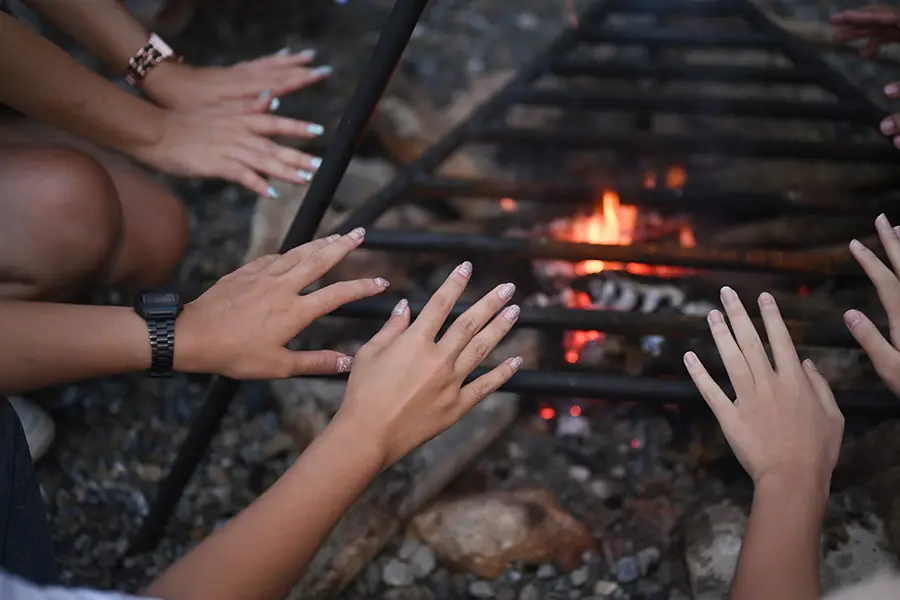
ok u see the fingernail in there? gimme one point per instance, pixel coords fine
(315, 129)
(856, 245)
(897, 230)
(728, 295)
(809, 364)
(690, 359)
(323, 71)
(516, 363)
(308, 54)
(382, 282)
(882, 221)
(853, 318)
(891, 89)
(344, 363)
(283, 52)
(464, 269)
(715, 317)
(272, 192)
(263, 95)
(766, 299)
(897, 141)
(315, 162)
(888, 126)
(357, 234)
(274, 104)
(304, 175)
(332, 238)
(400, 308)
(506, 291)
(511, 313)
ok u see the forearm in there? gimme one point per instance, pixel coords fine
(780, 553)
(43, 344)
(40, 80)
(260, 554)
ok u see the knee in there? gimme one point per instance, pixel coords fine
(152, 252)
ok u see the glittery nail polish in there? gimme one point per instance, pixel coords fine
(400, 308)
(382, 282)
(465, 269)
(511, 313)
(344, 363)
(357, 234)
(506, 291)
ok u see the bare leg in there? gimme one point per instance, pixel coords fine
(73, 219)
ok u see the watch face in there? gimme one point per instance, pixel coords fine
(158, 305)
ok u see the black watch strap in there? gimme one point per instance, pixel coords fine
(162, 346)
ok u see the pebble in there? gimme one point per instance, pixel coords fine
(529, 592)
(580, 576)
(408, 548)
(602, 489)
(481, 589)
(506, 594)
(396, 573)
(605, 589)
(546, 572)
(422, 562)
(648, 558)
(579, 473)
(626, 569)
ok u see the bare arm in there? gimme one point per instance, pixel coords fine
(780, 552)
(42, 81)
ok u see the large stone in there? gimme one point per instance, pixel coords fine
(483, 533)
(713, 541)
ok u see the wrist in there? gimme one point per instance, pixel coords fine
(803, 486)
(361, 437)
(163, 81)
(188, 341)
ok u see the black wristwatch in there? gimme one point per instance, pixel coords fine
(159, 310)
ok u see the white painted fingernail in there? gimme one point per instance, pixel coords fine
(344, 363)
(283, 52)
(511, 313)
(315, 129)
(274, 104)
(382, 282)
(308, 54)
(357, 234)
(728, 295)
(323, 71)
(516, 363)
(332, 238)
(400, 308)
(464, 269)
(304, 175)
(263, 95)
(506, 291)
(315, 162)
(690, 359)
(272, 192)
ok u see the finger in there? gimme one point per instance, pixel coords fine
(746, 336)
(851, 34)
(257, 265)
(871, 48)
(436, 311)
(820, 388)
(892, 90)
(735, 364)
(887, 286)
(490, 382)
(282, 58)
(289, 259)
(310, 268)
(722, 406)
(316, 362)
(482, 344)
(267, 164)
(783, 351)
(272, 125)
(323, 301)
(396, 324)
(305, 164)
(889, 126)
(868, 17)
(237, 172)
(470, 322)
(889, 240)
(884, 357)
(285, 81)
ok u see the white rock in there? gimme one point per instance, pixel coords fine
(396, 573)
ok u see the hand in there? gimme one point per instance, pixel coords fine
(232, 147)
(884, 354)
(405, 388)
(239, 327)
(247, 87)
(878, 24)
(785, 422)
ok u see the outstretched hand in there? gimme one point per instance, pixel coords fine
(784, 421)
(251, 86)
(239, 327)
(884, 354)
(405, 388)
(878, 24)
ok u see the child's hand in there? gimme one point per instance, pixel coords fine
(884, 354)
(239, 327)
(785, 422)
(405, 388)
(878, 24)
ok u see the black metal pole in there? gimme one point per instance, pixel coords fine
(391, 44)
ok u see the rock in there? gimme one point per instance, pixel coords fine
(408, 548)
(602, 489)
(579, 473)
(506, 594)
(864, 554)
(713, 541)
(605, 589)
(626, 569)
(579, 576)
(530, 592)
(481, 589)
(422, 562)
(482, 533)
(150, 473)
(409, 592)
(396, 573)
(546, 572)
(647, 559)
(281, 443)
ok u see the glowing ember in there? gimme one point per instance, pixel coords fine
(508, 204)
(676, 177)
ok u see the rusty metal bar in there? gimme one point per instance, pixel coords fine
(621, 69)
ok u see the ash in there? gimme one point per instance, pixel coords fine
(631, 476)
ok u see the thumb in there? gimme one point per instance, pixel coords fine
(316, 362)
(396, 324)
(820, 387)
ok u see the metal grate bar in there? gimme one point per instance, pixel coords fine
(680, 39)
(668, 8)
(543, 248)
(679, 145)
(695, 105)
(621, 69)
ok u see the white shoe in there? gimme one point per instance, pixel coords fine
(37, 423)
